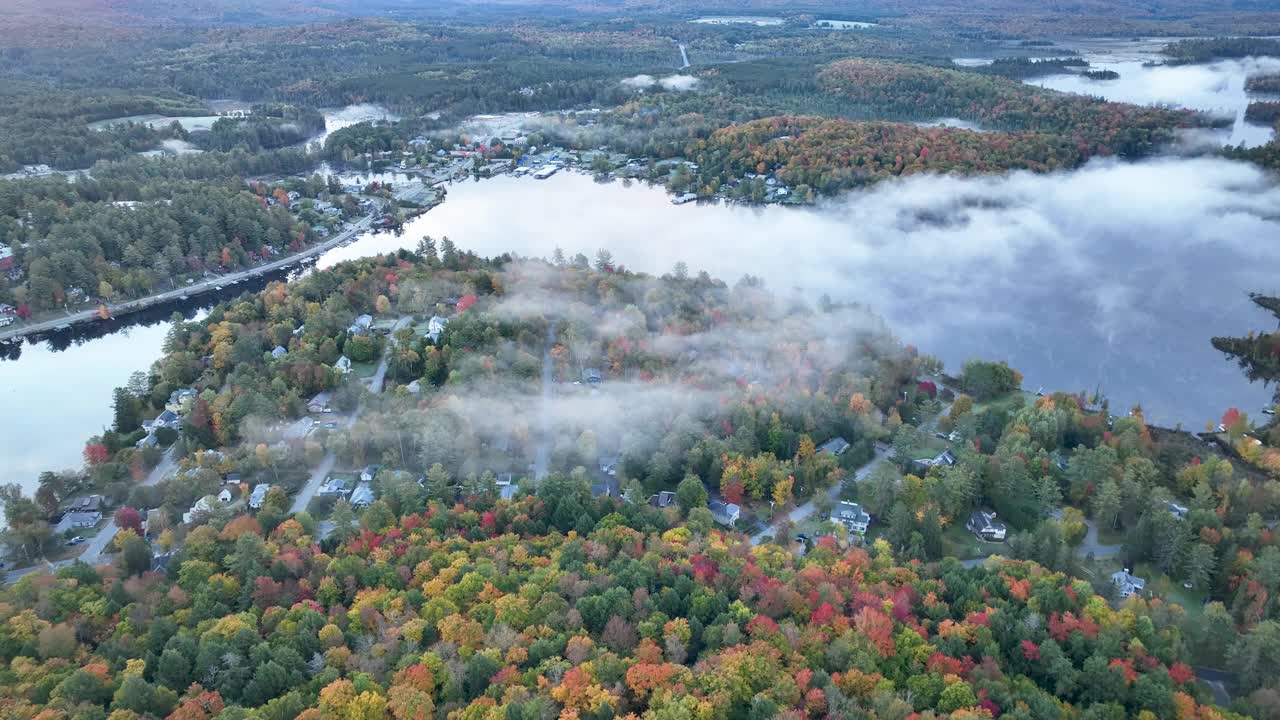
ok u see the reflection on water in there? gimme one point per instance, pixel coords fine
(1216, 88)
(1124, 297)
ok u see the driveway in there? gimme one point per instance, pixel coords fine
(801, 512)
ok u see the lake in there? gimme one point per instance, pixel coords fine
(1216, 88)
(1122, 298)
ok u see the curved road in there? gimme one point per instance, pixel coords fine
(195, 288)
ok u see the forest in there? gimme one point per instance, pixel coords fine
(910, 91)
(827, 156)
(128, 232)
(236, 623)
(1198, 50)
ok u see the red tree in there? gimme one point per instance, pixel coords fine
(96, 453)
(129, 519)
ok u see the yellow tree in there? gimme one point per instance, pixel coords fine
(782, 490)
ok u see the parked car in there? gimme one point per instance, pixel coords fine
(75, 540)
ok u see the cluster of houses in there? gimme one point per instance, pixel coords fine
(81, 513)
(207, 504)
(360, 494)
(176, 408)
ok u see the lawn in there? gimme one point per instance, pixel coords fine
(959, 543)
(364, 369)
(1171, 590)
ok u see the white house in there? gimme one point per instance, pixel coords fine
(77, 521)
(259, 494)
(985, 526)
(343, 365)
(1126, 584)
(725, 513)
(333, 487)
(361, 325)
(362, 496)
(225, 496)
(201, 508)
(278, 352)
(435, 326)
(852, 516)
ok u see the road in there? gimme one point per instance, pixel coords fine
(380, 376)
(322, 471)
(314, 482)
(801, 512)
(94, 548)
(1218, 681)
(195, 288)
(1091, 544)
(684, 57)
(100, 542)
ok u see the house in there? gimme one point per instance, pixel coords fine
(232, 479)
(413, 388)
(835, 446)
(320, 403)
(299, 429)
(167, 419)
(435, 326)
(77, 521)
(1126, 584)
(200, 509)
(666, 498)
(278, 352)
(90, 503)
(943, 458)
(369, 473)
(333, 487)
(343, 365)
(609, 465)
(362, 496)
(361, 325)
(1176, 510)
(259, 494)
(147, 441)
(725, 513)
(984, 524)
(180, 400)
(225, 496)
(591, 376)
(852, 516)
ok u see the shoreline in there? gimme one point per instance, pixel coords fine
(197, 288)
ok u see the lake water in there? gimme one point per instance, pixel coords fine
(757, 20)
(1124, 297)
(55, 400)
(1216, 88)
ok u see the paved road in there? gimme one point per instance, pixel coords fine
(313, 483)
(1091, 544)
(195, 288)
(100, 542)
(1218, 681)
(322, 471)
(803, 511)
(380, 376)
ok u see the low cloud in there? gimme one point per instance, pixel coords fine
(674, 83)
(1114, 276)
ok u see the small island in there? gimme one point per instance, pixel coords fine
(1102, 74)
